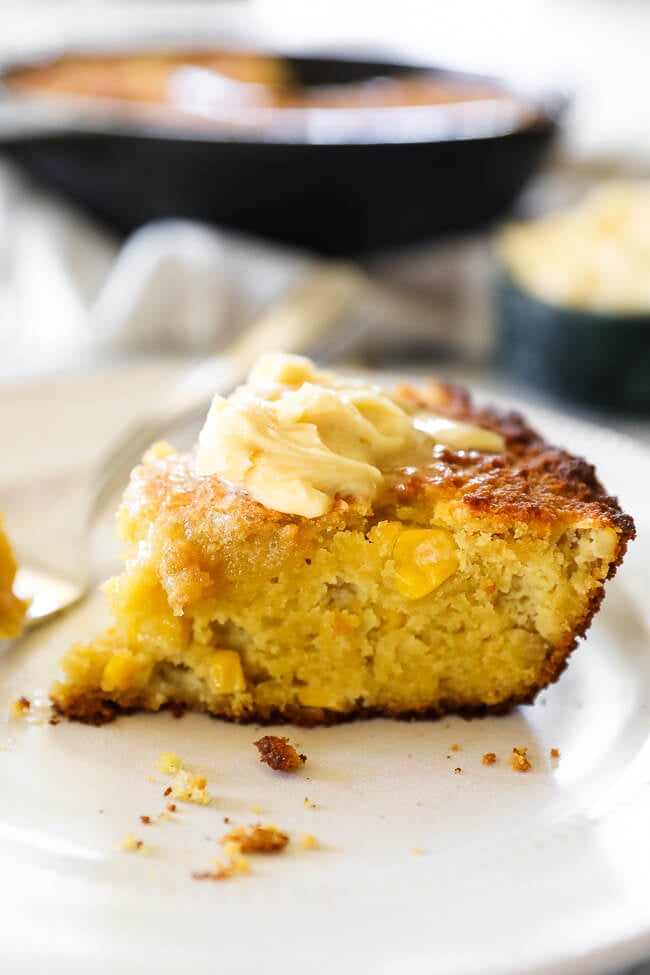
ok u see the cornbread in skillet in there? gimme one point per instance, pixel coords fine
(12, 609)
(460, 580)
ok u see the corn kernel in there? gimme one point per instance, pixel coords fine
(424, 558)
(344, 624)
(318, 697)
(119, 673)
(226, 672)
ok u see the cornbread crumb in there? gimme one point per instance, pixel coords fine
(416, 849)
(145, 820)
(190, 788)
(219, 873)
(308, 804)
(256, 839)
(279, 754)
(257, 810)
(203, 875)
(519, 761)
(167, 791)
(237, 863)
(164, 815)
(454, 748)
(169, 763)
(20, 707)
(555, 753)
(457, 771)
(129, 844)
(171, 807)
(489, 758)
(309, 842)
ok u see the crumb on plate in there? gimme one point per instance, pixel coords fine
(279, 754)
(129, 844)
(190, 787)
(309, 842)
(237, 863)
(255, 839)
(20, 707)
(489, 758)
(169, 763)
(519, 761)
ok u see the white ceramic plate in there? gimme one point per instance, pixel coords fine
(543, 872)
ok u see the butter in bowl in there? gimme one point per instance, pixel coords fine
(574, 299)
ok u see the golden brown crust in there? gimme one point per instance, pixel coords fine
(532, 482)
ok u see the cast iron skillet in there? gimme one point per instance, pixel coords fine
(341, 196)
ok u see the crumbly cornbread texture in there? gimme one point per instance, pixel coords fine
(12, 609)
(463, 587)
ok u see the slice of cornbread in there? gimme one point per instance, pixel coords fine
(12, 609)
(463, 587)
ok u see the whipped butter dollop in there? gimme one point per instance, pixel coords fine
(294, 436)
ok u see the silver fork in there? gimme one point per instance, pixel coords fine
(55, 566)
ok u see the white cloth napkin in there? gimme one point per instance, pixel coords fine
(71, 293)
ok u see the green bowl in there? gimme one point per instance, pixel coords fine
(588, 357)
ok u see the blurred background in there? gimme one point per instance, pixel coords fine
(478, 173)
(151, 208)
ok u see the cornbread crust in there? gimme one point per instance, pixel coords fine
(12, 609)
(212, 546)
